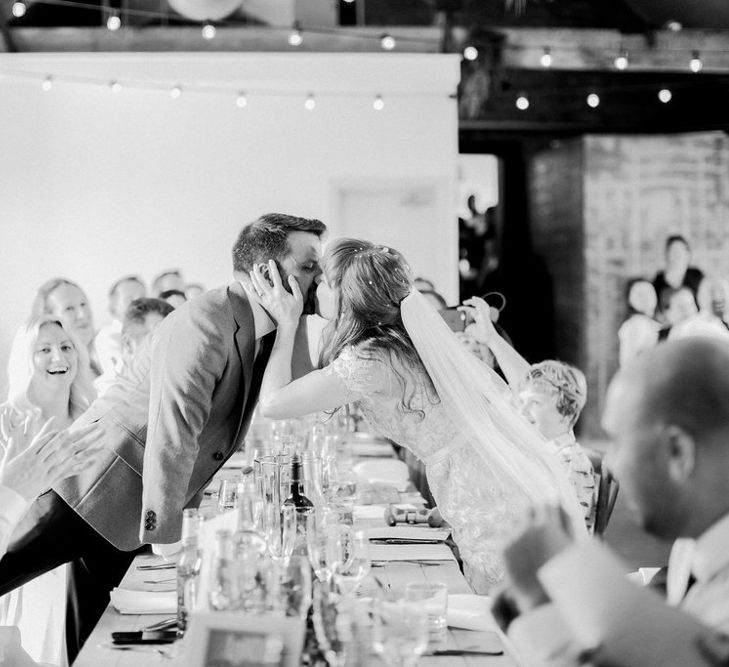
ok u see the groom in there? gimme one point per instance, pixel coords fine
(170, 423)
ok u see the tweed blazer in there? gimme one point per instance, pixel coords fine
(176, 415)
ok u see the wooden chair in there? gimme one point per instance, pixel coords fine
(607, 492)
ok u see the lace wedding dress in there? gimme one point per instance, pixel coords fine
(482, 505)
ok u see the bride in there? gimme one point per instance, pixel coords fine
(387, 349)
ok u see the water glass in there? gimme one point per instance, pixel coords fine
(433, 598)
(399, 632)
(267, 476)
(227, 495)
(353, 560)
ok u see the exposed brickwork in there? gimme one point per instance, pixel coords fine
(599, 225)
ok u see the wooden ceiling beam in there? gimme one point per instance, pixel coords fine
(585, 49)
(227, 39)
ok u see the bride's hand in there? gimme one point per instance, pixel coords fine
(483, 328)
(283, 306)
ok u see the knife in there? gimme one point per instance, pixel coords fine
(457, 651)
(403, 540)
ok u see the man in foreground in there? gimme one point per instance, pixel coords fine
(668, 416)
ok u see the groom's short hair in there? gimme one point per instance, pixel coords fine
(267, 238)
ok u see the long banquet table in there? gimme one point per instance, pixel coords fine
(99, 651)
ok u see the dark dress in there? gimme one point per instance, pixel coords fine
(692, 280)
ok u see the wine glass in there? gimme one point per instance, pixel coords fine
(332, 624)
(399, 632)
(353, 562)
(322, 543)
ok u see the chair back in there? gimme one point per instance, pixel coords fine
(607, 492)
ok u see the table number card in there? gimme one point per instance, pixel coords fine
(233, 639)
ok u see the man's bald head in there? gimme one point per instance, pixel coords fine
(668, 416)
(684, 382)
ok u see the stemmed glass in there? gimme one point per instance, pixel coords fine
(332, 624)
(279, 540)
(399, 632)
(353, 562)
(323, 545)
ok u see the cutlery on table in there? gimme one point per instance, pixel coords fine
(161, 625)
(403, 540)
(458, 651)
(160, 581)
(158, 566)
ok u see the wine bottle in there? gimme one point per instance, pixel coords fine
(296, 497)
(301, 505)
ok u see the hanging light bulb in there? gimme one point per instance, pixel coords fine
(296, 38)
(665, 95)
(113, 22)
(378, 104)
(19, 9)
(387, 42)
(310, 102)
(208, 30)
(696, 65)
(470, 53)
(593, 100)
(115, 86)
(176, 92)
(47, 84)
(673, 25)
(621, 61)
(349, 2)
(546, 59)
(241, 101)
(522, 102)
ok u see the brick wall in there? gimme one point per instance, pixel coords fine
(601, 208)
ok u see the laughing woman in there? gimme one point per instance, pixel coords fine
(48, 379)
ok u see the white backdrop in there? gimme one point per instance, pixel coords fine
(96, 184)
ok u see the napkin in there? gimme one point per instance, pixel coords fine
(369, 512)
(410, 552)
(126, 601)
(471, 612)
(390, 471)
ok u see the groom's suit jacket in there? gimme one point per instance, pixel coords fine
(172, 420)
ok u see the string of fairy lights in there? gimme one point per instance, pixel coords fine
(295, 37)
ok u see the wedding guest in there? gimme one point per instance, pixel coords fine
(174, 297)
(677, 271)
(141, 318)
(65, 300)
(48, 378)
(29, 466)
(711, 298)
(552, 395)
(167, 280)
(193, 289)
(680, 306)
(667, 413)
(640, 330)
(170, 423)
(108, 339)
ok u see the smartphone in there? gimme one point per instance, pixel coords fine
(140, 637)
(455, 319)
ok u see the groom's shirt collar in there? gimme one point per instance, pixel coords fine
(262, 322)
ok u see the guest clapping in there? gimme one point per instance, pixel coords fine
(48, 377)
(668, 416)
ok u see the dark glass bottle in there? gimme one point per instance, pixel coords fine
(300, 505)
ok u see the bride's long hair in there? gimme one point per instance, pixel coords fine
(370, 281)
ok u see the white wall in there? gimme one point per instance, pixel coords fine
(95, 184)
